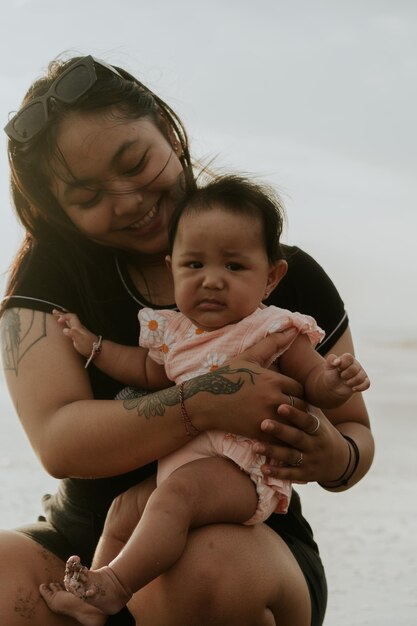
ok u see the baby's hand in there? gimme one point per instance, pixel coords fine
(80, 336)
(345, 374)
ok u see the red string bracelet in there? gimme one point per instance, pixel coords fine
(190, 429)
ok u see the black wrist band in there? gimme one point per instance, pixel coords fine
(356, 454)
(344, 479)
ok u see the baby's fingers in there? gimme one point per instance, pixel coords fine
(82, 340)
(68, 319)
(347, 365)
(360, 382)
(351, 371)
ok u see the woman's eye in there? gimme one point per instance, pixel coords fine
(139, 167)
(88, 204)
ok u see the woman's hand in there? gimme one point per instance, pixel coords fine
(307, 446)
(302, 449)
(242, 393)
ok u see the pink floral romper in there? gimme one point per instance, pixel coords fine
(187, 351)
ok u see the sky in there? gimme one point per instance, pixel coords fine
(314, 96)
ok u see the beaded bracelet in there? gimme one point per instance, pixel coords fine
(344, 479)
(95, 350)
(190, 429)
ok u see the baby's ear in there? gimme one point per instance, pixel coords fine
(276, 274)
(168, 261)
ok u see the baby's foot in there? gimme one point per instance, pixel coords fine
(100, 588)
(64, 603)
(75, 578)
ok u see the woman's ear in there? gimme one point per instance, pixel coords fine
(275, 275)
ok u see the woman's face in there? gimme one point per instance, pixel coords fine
(118, 180)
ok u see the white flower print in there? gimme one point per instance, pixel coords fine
(213, 361)
(167, 343)
(194, 332)
(153, 327)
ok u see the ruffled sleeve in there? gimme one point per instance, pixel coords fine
(305, 324)
(153, 332)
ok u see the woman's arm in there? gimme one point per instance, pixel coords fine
(325, 452)
(75, 435)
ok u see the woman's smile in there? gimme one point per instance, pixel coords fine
(143, 221)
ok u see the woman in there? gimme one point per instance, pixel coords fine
(98, 164)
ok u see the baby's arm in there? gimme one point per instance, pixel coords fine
(131, 365)
(328, 382)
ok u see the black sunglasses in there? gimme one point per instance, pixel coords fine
(77, 79)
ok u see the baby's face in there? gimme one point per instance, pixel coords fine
(220, 267)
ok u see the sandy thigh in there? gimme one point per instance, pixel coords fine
(26, 565)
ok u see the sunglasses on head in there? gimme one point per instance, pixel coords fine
(77, 79)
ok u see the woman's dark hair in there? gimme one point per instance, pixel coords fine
(240, 196)
(31, 165)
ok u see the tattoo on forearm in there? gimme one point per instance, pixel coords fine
(18, 338)
(214, 382)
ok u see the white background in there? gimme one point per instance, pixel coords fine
(318, 97)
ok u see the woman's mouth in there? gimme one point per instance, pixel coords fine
(143, 221)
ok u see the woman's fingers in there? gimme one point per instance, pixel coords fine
(264, 351)
(306, 446)
(297, 444)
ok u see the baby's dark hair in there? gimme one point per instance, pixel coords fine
(240, 196)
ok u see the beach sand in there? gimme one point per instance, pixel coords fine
(367, 536)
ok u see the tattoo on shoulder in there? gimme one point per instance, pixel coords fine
(216, 383)
(19, 335)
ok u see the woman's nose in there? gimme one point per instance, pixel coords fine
(125, 200)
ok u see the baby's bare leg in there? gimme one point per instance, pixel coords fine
(122, 518)
(124, 514)
(201, 492)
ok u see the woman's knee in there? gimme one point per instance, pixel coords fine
(248, 576)
(126, 510)
(235, 575)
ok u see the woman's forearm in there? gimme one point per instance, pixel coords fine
(106, 437)
(97, 438)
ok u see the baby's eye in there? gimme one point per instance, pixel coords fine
(195, 265)
(234, 267)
